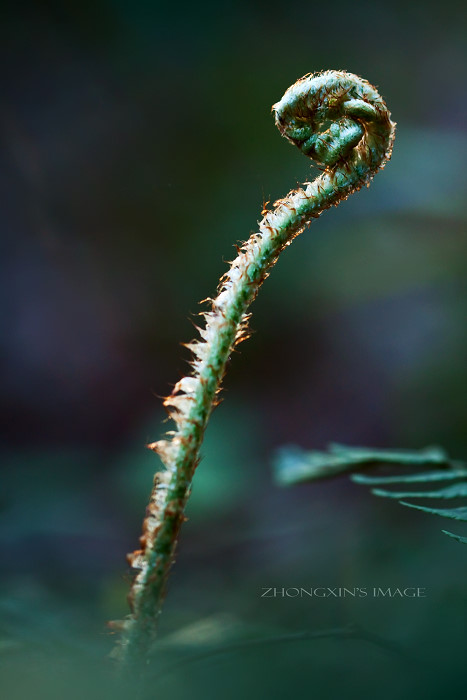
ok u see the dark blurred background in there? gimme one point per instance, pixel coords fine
(138, 147)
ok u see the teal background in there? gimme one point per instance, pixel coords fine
(138, 148)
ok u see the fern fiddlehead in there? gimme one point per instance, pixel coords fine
(340, 121)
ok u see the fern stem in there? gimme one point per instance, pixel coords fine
(340, 121)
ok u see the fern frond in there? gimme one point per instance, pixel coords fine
(293, 465)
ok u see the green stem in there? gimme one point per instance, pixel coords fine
(340, 121)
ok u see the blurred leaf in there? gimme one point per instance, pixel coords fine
(455, 491)
(293, 465)
(454, 513)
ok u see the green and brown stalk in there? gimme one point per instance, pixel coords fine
(340, 121)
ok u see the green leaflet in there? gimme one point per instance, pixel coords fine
(293, 464)
(455, 491)
(454, 513)
(463, 540)
(424, 477)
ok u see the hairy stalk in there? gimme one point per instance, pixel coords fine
(341, 122)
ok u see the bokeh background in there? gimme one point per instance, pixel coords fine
(138, 147)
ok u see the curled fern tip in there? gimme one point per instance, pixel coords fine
(341, 122)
